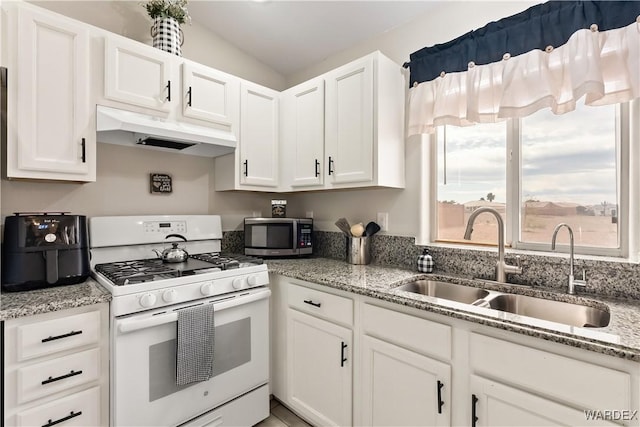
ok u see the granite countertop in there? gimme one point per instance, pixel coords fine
(620, 338)
(29, 303)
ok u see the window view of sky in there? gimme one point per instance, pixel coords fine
(568, 174)
(565, 158)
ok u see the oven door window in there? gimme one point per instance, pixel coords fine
(144, 367)
(232, 348)
(269, 236)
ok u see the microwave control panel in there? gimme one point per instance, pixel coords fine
(305, 232)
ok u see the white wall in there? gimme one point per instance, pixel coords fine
(446, 22)
(122, 188)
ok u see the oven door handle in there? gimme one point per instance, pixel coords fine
(136, 324)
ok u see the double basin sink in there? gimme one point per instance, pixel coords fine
(555, 311)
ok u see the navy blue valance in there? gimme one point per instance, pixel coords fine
(540, 26)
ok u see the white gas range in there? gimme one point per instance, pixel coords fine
(147, 296)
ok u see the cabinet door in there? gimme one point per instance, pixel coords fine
(320, 376)
(53, 133)
(138, 75)
(211, 95)
(303, 133)
(501, 405)
(258, 135)
(349, 122)
(403, 388)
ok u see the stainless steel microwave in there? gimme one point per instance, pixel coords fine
(278, 236)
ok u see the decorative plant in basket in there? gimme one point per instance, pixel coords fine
(167, 17)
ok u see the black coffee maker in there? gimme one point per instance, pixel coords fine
(43, 250)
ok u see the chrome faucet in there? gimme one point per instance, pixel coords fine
(502, 268)
(572, 282)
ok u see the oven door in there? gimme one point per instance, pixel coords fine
(144, 390)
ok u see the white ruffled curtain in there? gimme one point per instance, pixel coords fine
(602, 66)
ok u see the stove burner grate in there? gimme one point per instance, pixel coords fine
(147, 270)
(228, 261)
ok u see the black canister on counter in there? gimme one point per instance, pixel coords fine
(425, 262)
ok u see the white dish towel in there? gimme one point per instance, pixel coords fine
(196, 332)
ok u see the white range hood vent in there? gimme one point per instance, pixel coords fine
(122, 127)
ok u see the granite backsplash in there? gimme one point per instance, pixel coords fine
(616, 279)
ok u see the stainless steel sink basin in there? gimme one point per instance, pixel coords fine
(449, 291)
(554, 311)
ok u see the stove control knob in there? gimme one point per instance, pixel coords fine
(206, 289)
(238, 283)
(252, 280)
(170, 295)
(147, 300)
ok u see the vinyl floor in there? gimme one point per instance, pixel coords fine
(281, 417)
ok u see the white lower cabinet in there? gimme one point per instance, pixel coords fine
(56, 368)
(403, 388)
(410, 367)
(320, 377)
(495, 404)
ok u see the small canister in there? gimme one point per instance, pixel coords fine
(425, 262)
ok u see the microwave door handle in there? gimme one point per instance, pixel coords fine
(295, 235)
(133, 324)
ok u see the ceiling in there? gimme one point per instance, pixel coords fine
(289, 36)
(286, 35)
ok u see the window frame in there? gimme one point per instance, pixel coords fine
(627, 187)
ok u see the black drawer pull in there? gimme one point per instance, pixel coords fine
(315, 304)
(317, 168)
(342, 358)
(59, 337)
(189, 95)
(84, 151)
(61, 420)
(440, 401)
(62, 377)
(246, 168)
(474, 418)
(330, 166)
(168, 86)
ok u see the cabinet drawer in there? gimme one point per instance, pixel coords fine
(421, 335)
(55, 375)
(565, 379)
(332, 307)
(51, 336)
(80, 409)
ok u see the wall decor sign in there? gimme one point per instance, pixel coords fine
(278, 208)
(160, 183)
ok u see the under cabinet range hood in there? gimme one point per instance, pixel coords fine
(115, 126)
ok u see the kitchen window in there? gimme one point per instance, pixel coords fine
(538, 171)
(471, 174)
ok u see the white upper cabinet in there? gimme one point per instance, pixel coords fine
(254, 165)
(364, 130)
(349, 126)
(303, 134)
(151, 81)
(138, 75)
(50, 127)
(210, 95)
(259, 135)
(354, 128)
